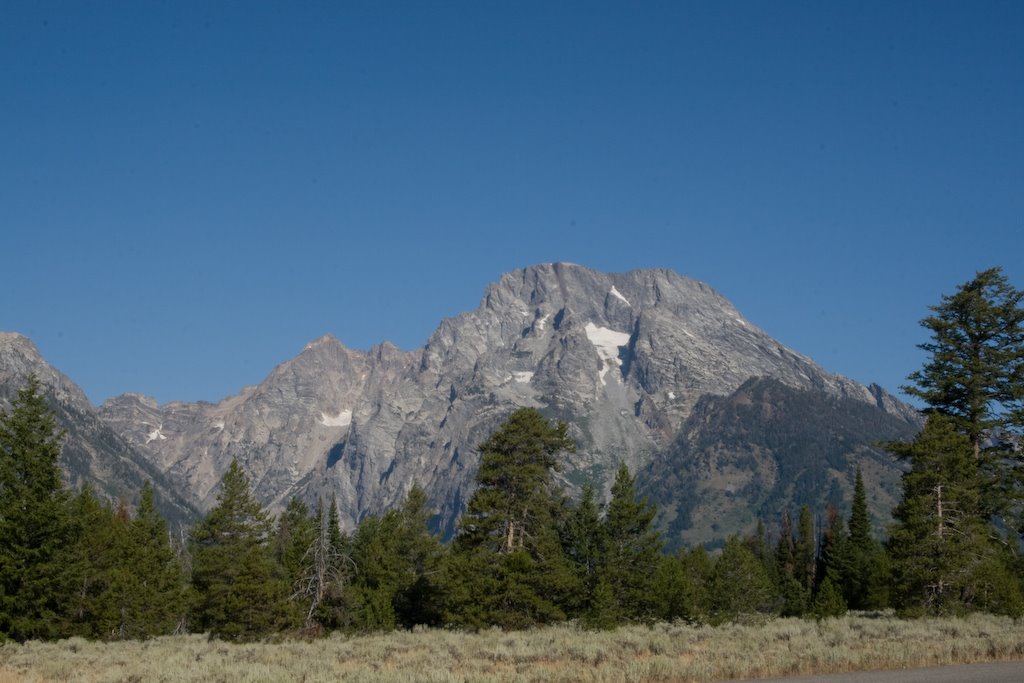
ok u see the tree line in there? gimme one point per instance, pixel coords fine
(525, 554)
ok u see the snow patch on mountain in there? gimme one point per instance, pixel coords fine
(156, 434)
(523, 377)
(342, 419)
(607, 343)
(618, 295)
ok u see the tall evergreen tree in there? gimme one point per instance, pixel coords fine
(239, 595)
(507, 566)
(156, 597)
(865, 576)
(294, 535)
(791, 590)
(943, 559)
(699, 570)
(34, 521)
(975, 377)
(94, 564)
(582, 541)
(975, 371)
(833, 562)
(806, 552)
(630, 551)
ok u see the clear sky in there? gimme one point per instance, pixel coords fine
(191, 191)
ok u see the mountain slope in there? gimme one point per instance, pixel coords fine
(766, 449)
(92, 452)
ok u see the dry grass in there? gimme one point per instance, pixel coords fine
(664, 652)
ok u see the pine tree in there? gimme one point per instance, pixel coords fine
(129, 583)
(739, 584)
(397, 560)
(699, 571)
(630, 550)
(975, 371)
(239, 596)
(943, 559)
(507, 566)
(34, 524)
(792, 592)
(865, 578)
(828, 602)
(294, 535)
(833, 565)
(93, 562)
(675, 591)
(975, 377)
(157, 597)
(806, 552)
(582, 542)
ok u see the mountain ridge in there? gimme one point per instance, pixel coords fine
(623, 358)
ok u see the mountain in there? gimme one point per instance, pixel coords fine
(92, 452)
(647, 367)
(763, 450)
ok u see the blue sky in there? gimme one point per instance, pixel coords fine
(191, 191)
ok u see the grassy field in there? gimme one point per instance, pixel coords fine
(664, 652)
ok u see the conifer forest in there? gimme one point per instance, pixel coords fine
(527, 554)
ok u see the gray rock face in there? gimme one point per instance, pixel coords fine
(92, 452)
(623, 358)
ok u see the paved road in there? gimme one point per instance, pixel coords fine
(997, 672)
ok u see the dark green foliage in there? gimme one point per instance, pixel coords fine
(975, 371)
(833, 565)
(864, 575)
(944, 560)
(397, 563)
(674, 592)
(94, 563)
(127, 578)
(294, 537)
(699, 571)
(582, 541)
(507, 565)
(603, 610)
(739, 584)
(805, 552)
(514, 482)
(829, 600)
(629, 551)
(156, 598)
(239, 595)
(35, 527)
(792, 592)
(975, 377)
